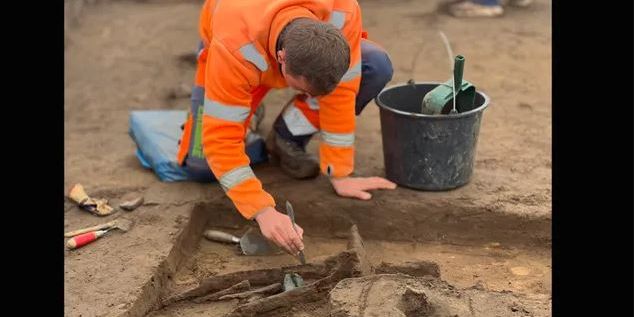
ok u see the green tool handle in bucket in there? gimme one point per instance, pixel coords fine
(455, 94)
(458, 68)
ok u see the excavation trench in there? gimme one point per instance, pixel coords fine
(347, 275)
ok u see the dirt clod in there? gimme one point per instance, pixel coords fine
(419, 268)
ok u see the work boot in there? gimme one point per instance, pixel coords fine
(292, 158)
(468, 9)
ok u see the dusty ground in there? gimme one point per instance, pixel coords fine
(491, 267)
(496, 230)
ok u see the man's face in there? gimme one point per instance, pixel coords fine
(295, 82)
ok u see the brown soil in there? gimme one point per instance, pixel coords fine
(477, 280)
(393, 295)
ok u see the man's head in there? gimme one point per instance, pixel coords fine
(314, 56)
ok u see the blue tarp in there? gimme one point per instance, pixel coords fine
(156, 134)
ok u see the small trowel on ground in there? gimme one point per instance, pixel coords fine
(85, 236)
(120, 223)
(251, 243)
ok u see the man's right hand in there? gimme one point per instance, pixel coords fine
(278, 228)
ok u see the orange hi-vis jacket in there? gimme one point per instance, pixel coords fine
(238, 65)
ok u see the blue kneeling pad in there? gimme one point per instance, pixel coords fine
(156, 134)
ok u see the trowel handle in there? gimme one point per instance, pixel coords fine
(83, 239)
(458, 70)
(219, 236)
(89, 229)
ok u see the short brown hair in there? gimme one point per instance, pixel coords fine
(317, 51)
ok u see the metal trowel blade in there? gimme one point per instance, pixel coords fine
(254, 243)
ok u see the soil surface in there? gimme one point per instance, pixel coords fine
(494, 232)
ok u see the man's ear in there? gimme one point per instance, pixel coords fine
(281, 56)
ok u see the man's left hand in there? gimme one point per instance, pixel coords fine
(356, 187)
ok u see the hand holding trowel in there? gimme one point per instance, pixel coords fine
(251, 243)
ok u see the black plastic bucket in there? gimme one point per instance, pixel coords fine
(428, 152)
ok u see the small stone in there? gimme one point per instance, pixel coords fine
(520, 270)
